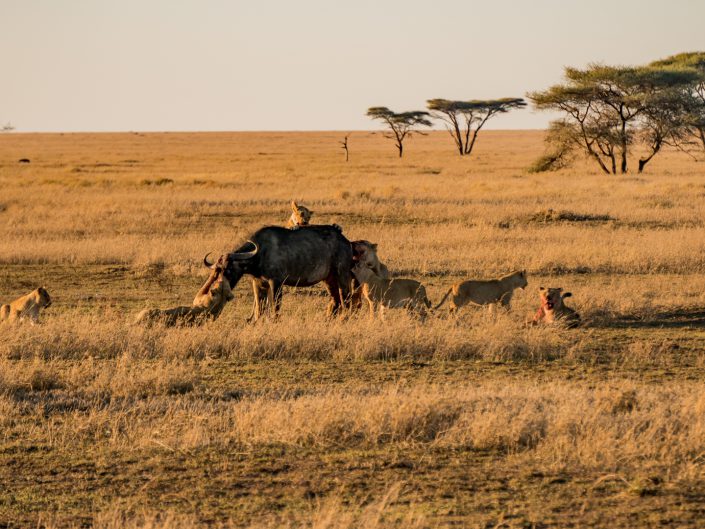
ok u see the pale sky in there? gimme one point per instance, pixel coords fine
(152, 65)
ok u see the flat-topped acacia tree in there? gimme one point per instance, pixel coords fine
(464, 119)
(402, 125)
(609, 109)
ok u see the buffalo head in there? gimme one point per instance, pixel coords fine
(234, 264)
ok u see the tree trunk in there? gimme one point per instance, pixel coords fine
(624, 147)
(468, 147)
(614, 164)
(644, 161)
(458, 137)
(400, 146)
(600, 162)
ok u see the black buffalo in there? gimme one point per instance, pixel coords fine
(276, 256)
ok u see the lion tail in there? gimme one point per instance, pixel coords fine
(444, 299)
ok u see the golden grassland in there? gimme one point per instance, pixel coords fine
(478, 421)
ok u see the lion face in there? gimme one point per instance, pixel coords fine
(220, 285)
(43, 298)
(365, 252)
(552, 298)
(301, 215)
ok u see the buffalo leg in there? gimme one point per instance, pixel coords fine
(343, 278)
(336, 292)
(260, 290)
(274, 296)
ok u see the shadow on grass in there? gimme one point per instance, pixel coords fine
(680, 318)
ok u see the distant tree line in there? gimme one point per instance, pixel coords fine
(611, 114)
(463, 119)
(610, 111)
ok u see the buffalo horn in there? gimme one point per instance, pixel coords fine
(243, 256)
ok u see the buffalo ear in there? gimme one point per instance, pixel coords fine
(567, 294)
(373, 246)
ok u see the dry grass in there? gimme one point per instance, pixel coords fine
(478, 421)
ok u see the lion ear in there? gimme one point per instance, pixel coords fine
(294, 205)
(542, 289)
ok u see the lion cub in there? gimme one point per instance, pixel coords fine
(300, 216)
(208, 303)
(27, 306)
(384, 294)
(485, 292)
(553, 310)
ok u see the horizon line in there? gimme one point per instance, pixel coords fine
(250, 131)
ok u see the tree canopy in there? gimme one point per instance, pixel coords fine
(695, 94)
(464, 119)
(607, 109)
(402, 125)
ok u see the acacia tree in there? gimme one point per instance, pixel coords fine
(608, 108)
(665, 122)
(464, 119)
(402, 125)
(695, 93)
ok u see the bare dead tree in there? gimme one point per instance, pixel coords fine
(344, 146)
(7, 127)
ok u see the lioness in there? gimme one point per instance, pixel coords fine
(382, 294)
(365, 252)
(208, 303)
(27, 306)
(300, 216)
(485, 292)
(553, 310)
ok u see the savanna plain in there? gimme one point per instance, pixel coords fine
(303, 421)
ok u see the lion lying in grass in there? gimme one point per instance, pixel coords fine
(485, 292)
(553, 311)
(382, 294)
(26, 307)
(207, 305)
